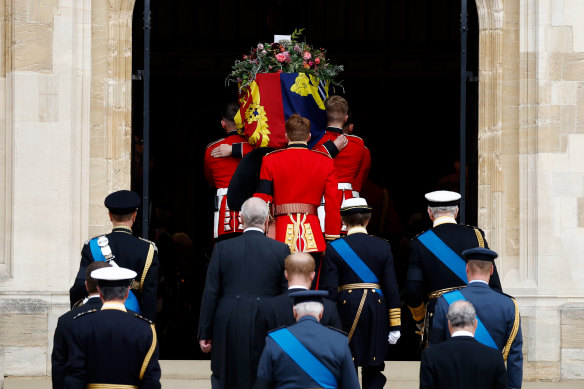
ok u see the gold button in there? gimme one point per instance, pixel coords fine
(373, 290)
(373, 358)
(344, 301)
(379, 300)
(350, 290)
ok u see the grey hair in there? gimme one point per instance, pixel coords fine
(254, 212)
(461, 313)
(309, 308)
(110, 293)
(444, 211)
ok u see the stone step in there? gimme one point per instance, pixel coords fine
(195, 375)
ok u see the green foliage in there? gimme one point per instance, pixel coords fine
(283, 57)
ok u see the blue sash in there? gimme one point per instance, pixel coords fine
(304, 358)
(352, 259)
(131, 301)
(481, 334)
(444, 253)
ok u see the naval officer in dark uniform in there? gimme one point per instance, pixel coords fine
(306, 354)
(435, 263)
(111, 347)
(360, 267)
(126, 251)
(497, 313)
(60, 353)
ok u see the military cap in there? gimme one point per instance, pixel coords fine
(122, 202)
(479, 254)
(305, 296)
(113, 276)
(355, 205)
(442, 198)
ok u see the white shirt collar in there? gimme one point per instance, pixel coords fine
(356, 230)
(297, 287)
(462, 333)
(253, 229)
(113, 305)
(443, 220)
(484, 282)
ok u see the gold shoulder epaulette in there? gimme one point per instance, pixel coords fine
(143, 318)
(85, 313)
(149, 241)
(212, 143)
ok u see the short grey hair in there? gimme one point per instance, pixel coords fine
(309, 308)
(461, 313)
(254, 212)
(444, 211)
(110, 293)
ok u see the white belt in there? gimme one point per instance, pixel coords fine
(345, 186)
(221, 191)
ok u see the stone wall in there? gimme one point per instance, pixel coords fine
(531, 147)
(65, 98)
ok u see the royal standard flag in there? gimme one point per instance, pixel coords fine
(271, 98)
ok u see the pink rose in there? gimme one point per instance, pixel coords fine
(288, 56)
(311, 63)
(264, 52)
(307, 55)
(244, 56)
(297, 48)
(270, 67)
(260, 46)
(280, 71)
(317, 60)
(280, 57)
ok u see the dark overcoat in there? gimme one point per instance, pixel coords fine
(243, 271)
(462, 363)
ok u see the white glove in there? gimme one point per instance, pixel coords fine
(393, 337)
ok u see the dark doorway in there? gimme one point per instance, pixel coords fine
(401, 79)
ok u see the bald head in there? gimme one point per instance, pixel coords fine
(299, 269)
(254, 213)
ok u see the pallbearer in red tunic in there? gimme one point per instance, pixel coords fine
(352, 158)
(221, 160)
(295, 180)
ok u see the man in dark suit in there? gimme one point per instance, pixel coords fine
(306, 354)
(462, 362)
(435, 263)
(63, 330)
(497, 313)
(126, 251)
(111, 347)
(360, 267)
(243, 271)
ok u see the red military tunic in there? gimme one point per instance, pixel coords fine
(295, 180)
(218, 172)
(352, 163)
